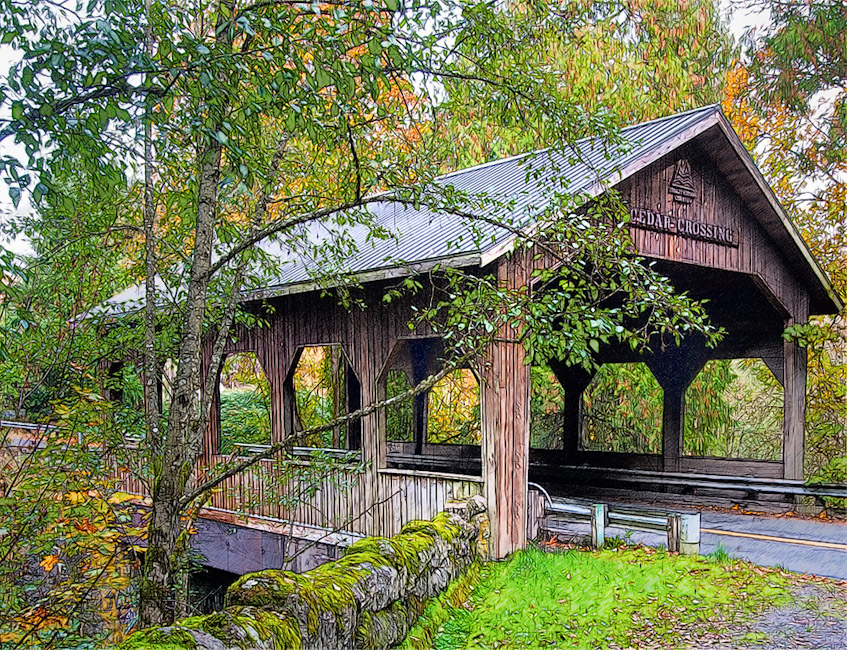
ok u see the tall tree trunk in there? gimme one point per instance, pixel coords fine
(180, 451)
(174, 476)
(152, 400)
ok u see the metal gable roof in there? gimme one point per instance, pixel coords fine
(424, 237)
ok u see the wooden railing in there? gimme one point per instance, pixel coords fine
(336, 497)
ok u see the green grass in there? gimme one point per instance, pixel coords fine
(579, 599)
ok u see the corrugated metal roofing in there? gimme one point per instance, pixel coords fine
(423, 236)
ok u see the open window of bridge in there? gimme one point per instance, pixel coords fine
(320, 388)
(622, 410)
(399, 417)
(546, 409)
(453, 416)
(245, 404)
(734, 409)
(436, 430)
(452, 409)
(125, 389)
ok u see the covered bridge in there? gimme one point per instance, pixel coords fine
(700, 209)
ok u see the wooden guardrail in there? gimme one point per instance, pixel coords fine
(682, 529)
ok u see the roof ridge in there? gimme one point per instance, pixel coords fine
(672, 116)
(534, 152)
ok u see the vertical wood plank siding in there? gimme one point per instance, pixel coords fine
(756, 254)
(375, 502)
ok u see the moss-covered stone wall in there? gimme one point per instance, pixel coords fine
(367, 599)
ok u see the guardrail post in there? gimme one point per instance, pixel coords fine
(689, 534)
(599, 516)
(673, 533)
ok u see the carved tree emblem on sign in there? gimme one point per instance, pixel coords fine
(682, 186)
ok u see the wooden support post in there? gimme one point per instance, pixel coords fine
(571, 425)
(505, 445)
(675, 370)
(420, 351)
(336, 370)
(574, 381)
(504, 392)
(673, 425)
(283, 391)
(353, 394)
(367, 355)
(420, 407)
(794, 387)
(599, 517)
(275, 357)
(289, 409)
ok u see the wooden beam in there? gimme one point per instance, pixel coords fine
(574, 381)
(421, 351)
(505, 445)
(794, 391)
(354, 403)
(504, 392)
(673, 426)
(675, 369)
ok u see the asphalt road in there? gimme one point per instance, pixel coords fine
(823, 553)
(801, 545)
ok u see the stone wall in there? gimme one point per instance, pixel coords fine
(367, 599)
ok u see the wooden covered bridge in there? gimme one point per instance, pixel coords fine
(700, 210)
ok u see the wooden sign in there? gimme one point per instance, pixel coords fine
(681, 185)
(650, 220)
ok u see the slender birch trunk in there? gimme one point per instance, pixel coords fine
(177, 460)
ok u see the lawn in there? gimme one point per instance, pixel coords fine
(615, 598)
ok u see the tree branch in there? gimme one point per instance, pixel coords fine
(276, 448)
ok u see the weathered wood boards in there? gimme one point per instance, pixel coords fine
(505, 385)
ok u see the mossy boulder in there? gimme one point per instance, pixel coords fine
(321, 601)
(384, 629)
(236, 628)
(248, 627)
(170, 638)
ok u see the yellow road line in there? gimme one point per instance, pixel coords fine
(770, 538)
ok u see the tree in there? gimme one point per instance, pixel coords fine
(66, 549)
(626, 60)
(787, 100)
(253, 120)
